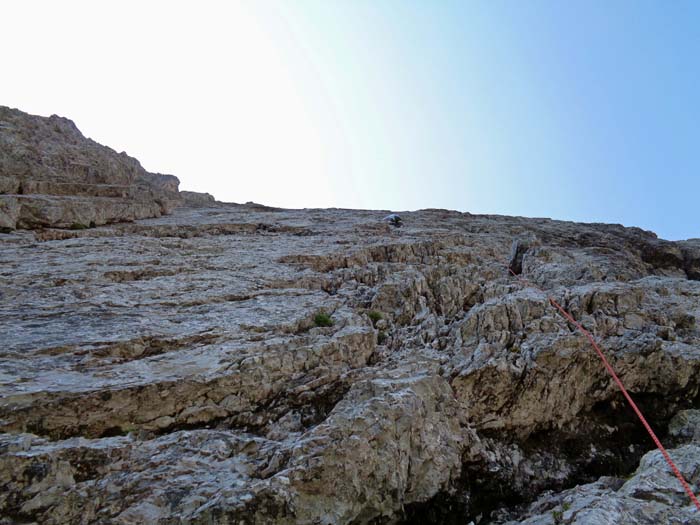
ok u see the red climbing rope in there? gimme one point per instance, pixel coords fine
(622, 388)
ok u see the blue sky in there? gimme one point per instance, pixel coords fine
(585, 111)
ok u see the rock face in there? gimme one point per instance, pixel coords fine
(651, 495)
(52, 176)
(245, 364)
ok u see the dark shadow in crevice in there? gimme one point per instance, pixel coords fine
(517, 252)
(481, 491)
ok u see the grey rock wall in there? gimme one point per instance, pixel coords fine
(245, 364)
(52, 176)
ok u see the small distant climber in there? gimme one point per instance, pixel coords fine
(394, 220)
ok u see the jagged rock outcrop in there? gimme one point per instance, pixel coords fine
(52, 176)
(649, 496)
(194, 199)
(245, 364)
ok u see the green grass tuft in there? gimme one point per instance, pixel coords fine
(374, 316)
(323, 319)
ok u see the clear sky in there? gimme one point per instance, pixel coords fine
(581, 110)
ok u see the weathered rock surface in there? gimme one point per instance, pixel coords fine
(651, 495)
(194, 199)
(170, 370)
(52, 176)
(246, 364)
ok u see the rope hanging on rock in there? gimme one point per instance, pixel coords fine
(617, 380)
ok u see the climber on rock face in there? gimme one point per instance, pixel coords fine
(394, 220)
